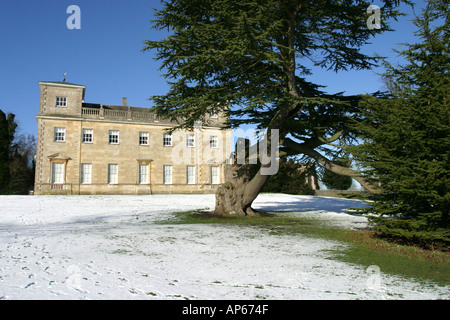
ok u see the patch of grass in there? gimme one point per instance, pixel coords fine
(363, 247)
(121, 251)
(205, 217)
(393, 258)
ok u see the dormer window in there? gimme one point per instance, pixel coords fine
(61, 101)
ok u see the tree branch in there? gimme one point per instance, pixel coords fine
(333, 138)
(297, 148)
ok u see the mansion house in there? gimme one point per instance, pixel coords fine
(85, 148)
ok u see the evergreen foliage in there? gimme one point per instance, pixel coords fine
(6, 134)
(407, 137)
(22, 164)
(291, 178)
(16, 158)
(336, 181)
(249, 59)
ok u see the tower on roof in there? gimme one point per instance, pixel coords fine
(61, 98)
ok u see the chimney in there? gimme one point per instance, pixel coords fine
(124, 101)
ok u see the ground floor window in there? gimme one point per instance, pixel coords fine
(190, 174)
(167, 174)
(214, 175)
(86, 173)
(58, 172)
(143, 174)
(113, 173)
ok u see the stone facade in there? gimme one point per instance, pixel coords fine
(87, 148)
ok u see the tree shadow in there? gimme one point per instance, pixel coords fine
(307, 203)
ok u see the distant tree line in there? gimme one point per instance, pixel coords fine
(291, 178)
(17, 163)
(334, 181)
(298, 176)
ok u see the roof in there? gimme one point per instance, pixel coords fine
(62, 83)
(117, 107)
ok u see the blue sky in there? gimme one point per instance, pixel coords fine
(105, 54)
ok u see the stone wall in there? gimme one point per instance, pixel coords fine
(128, 153)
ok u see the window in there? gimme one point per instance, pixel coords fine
(113, 173)
(214, 175)
(167, 140)
(190, 140)
(86, 173)
(190, 174)
(61, 101)
(60, 134)
(113, 137)
(88, 136)
(167, 174)
(143, 173)
(214, 142)
(58, 172)
(143, 138)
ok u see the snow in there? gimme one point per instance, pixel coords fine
(110, 247)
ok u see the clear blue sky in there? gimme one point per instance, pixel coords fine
(105, 54)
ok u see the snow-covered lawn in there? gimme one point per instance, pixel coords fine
(108, 247)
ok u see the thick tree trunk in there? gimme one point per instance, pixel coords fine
(242, 187)
(239, 191)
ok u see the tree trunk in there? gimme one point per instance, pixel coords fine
(239, 191)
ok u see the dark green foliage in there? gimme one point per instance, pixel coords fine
(4, 153)
(250, 59)
(291, 178)
(7, 129)
(407, 137)
(22, 164)
(252, 55)
(336, 181)
(16, 158)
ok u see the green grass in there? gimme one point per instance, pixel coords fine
(363, 247)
